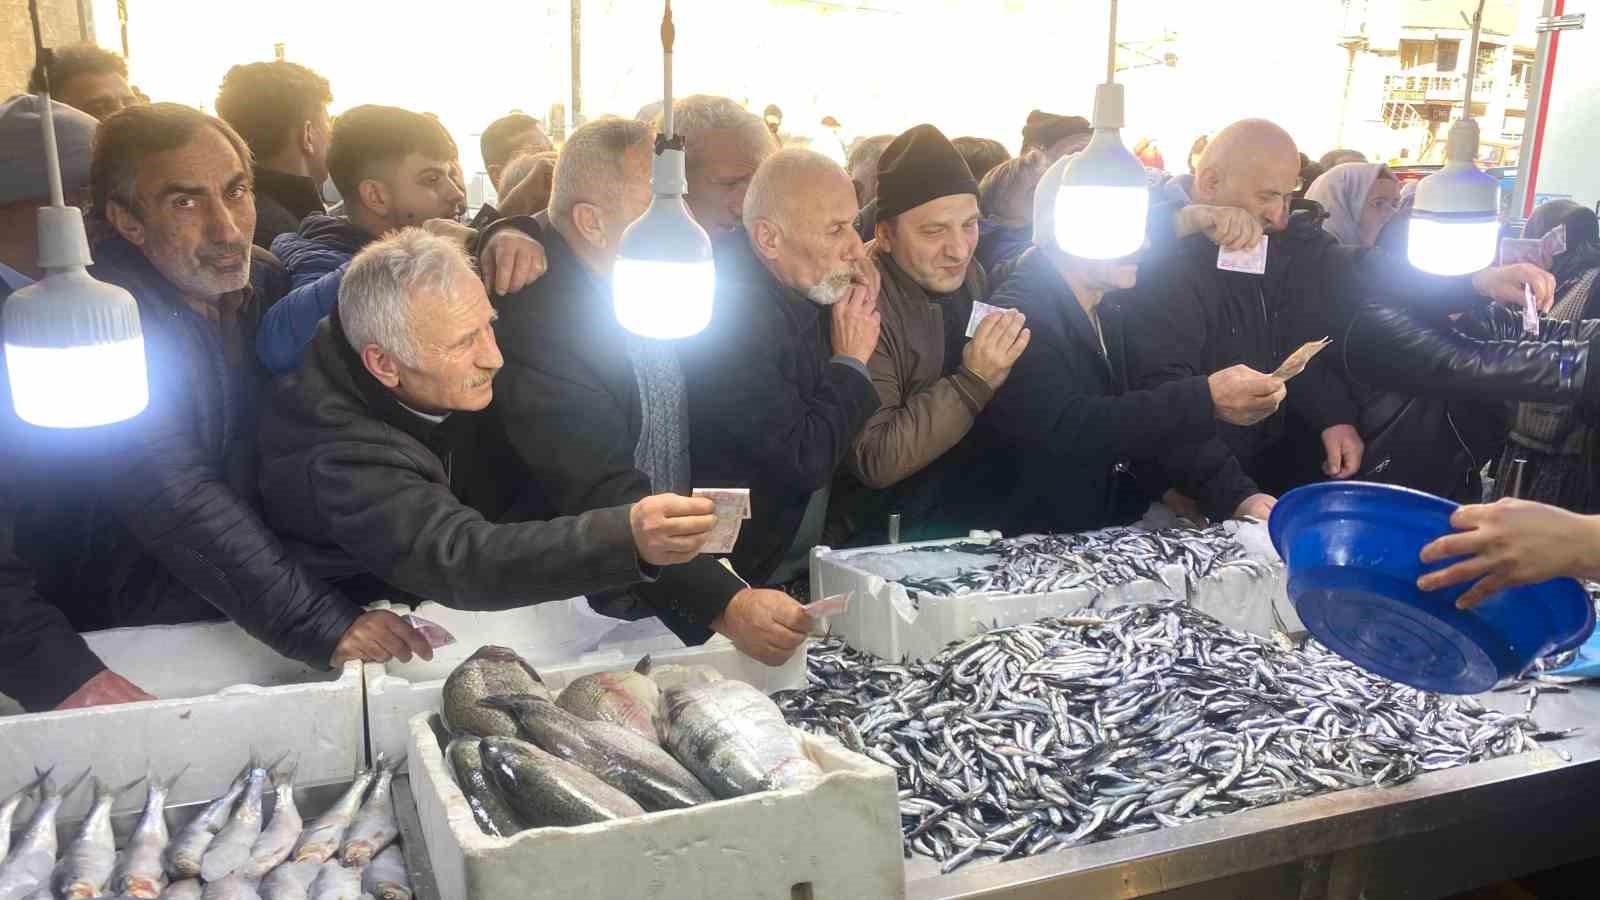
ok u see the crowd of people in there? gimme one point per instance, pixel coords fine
(380, 400)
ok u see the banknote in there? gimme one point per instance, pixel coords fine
(1298, 360)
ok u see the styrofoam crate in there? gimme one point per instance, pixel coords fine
(836, 840)
(883, 620)
(223, 696)
(562, 643)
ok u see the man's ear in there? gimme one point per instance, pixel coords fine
(381, 365)
(767, 237)
(374, 195)
(125, 222)
(308, 138)
(883, 234)
(494, 172)
(590, 222)
(1208, 183)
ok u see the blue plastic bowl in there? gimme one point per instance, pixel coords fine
(1351, 549)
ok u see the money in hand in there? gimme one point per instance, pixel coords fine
(733, 507)
(1298, 360)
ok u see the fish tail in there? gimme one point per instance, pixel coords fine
(167, 785)
(129, 786)
(74, 785)
(283, 773)
(643, 668)
(272, 766)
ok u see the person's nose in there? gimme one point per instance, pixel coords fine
(489, 356)
(1280, 216)
(854, 250)
(222, 226)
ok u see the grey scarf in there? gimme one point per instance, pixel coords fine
(663, 449)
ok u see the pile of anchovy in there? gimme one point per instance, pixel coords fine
(1101, 724)
(1095, 560)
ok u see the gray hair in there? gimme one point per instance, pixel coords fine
(382, 281)
(520, 168)
(779, 180)
(589, 169)
(700, 112)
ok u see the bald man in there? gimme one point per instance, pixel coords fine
(778, 384)
(596, 417)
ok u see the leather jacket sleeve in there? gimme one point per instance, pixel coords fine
(1478, 358)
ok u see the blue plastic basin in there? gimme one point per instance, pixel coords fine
(1351, 549)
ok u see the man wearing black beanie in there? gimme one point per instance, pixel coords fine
(932, 382)
(1055, 136)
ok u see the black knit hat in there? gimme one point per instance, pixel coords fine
(918, 166)
(1044, 129)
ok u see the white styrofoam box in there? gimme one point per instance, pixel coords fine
(836, 840)
(223, 696)
(561, 643)
(883, 620)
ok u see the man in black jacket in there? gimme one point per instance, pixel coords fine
(155, 520)
(596, 415)
(280, 109)
(1067, 416)
(369, 464)
(778, 384)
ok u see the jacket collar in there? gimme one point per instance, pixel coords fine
(295, 193)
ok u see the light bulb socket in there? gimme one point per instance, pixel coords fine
(63, 241)
(1105, 162)
(668, 175)
(1461, 145)
(1109, 109)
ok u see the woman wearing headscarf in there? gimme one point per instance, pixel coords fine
(1359, 198)
(1559, 449)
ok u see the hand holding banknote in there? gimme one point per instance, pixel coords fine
(1242, 396)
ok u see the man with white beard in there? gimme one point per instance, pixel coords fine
(778, 385)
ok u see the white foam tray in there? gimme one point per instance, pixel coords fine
(883, 620)
(836, 840)
(563, 641)
(223, 696)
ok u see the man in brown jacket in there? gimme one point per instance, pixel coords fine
(932, 382)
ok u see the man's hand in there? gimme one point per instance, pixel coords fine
(1256, 506)
(531, 195)
(996, 346)
(1511, 543)
(104, 689)
(669, 529)
(1345, 447)
(856, 322)
(1242, 396)
(1503, 285)
(1227, 227)
(1184, 508)
(765, 625)
(511, 261)
(450, 229)
(379, 635)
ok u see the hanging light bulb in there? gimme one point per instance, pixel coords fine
(74, 347)
(664, 280)
(1455, 220)
(1104, 196)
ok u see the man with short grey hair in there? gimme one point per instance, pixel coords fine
(370, 464)
(597, 416)
(862, 165)
(723, 145)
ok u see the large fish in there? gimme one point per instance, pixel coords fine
(139, 871)
(734, 738)
(185, 852)
(494, 815)
(336, 882)
(489, 672)
(375, 826)
(628, 699)
(290, 881)
(545, 790)
(280, 835)
(230, 849)
(319, 842)
(86, 864)
(184, 889)
(617, 755)
(8, 811)
(232, 887)
(28, 867)
(386, 878)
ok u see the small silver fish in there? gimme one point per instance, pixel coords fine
(28, 867)
(185, 852)
(336, 882)
(139, 871)
(321, 840)
(279, 837)
(386, 878)
(8, 811)
(230, 849)
(374, 826)
(86, 864)
(290, 881)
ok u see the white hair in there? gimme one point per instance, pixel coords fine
(785, 175)
(382, 282)
(701, 112)
(589, 169)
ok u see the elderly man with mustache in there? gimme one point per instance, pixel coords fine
(370, 453)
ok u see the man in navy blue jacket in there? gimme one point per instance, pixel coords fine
(392, 167)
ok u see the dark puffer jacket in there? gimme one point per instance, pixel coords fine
(316, 257)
